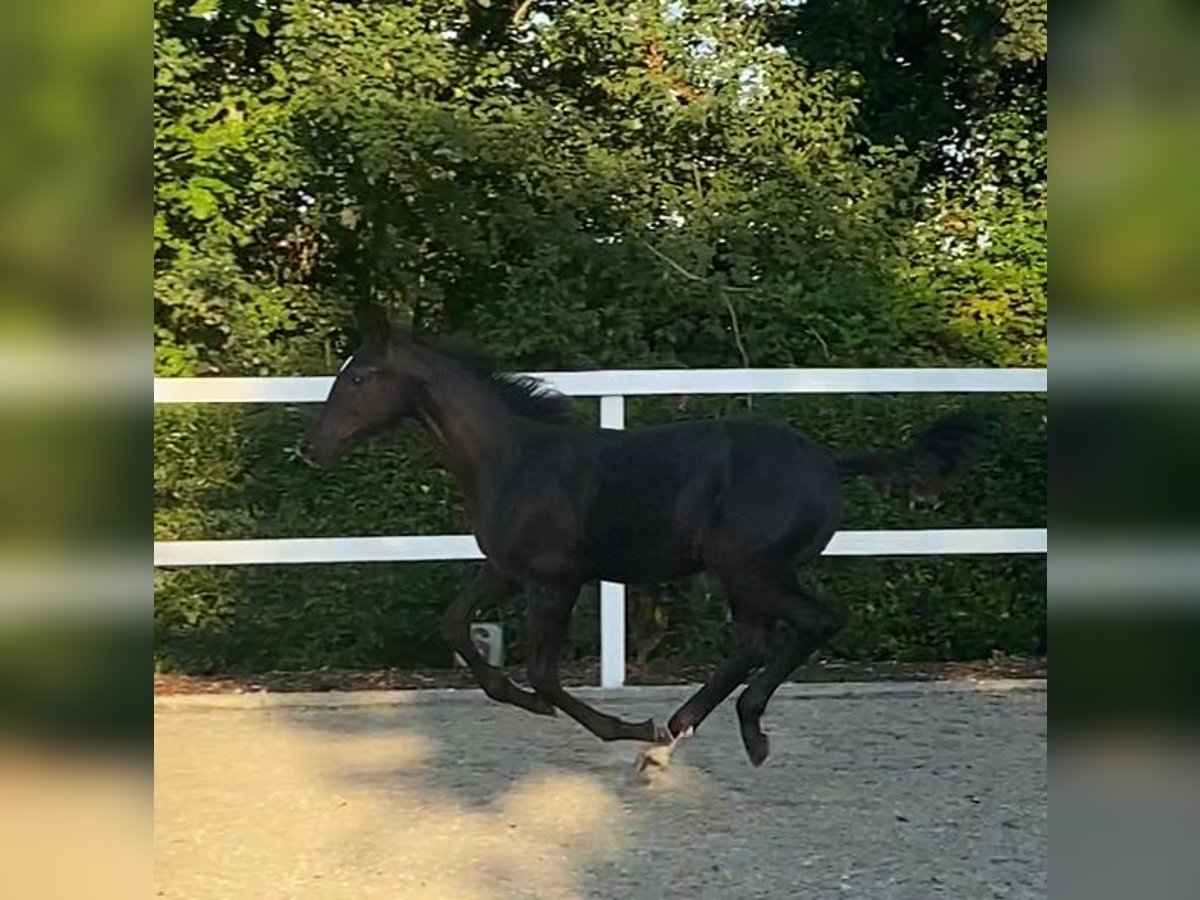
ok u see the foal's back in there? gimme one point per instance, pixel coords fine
(672, 499)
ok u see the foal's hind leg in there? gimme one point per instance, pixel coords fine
(812, 621)
(487, 587)
(745, 655)
(548, 615)
(749, 637)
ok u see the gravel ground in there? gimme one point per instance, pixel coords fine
(880, 791)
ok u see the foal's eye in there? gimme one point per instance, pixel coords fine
(357, 379)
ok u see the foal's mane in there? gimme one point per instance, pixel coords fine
(528, 397)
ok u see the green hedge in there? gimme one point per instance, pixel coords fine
(226, 472)
(832, 195)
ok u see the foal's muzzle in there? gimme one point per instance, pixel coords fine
(302, 450)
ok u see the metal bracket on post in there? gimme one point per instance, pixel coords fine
(612, 596)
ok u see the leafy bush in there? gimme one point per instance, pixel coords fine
(590, 185)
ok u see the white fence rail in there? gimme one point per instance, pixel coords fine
(611, 387)
(649, 382)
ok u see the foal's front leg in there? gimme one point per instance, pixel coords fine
(549, 612)
(487, 587)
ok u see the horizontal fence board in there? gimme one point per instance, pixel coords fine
(273, 551)
(648, 382)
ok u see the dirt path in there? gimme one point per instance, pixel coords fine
(880, 791)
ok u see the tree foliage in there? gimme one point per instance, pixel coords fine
(704, 183)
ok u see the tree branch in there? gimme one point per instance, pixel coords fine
(692, 276)
(820, 340)
(737, 331)
(725, 290)
(520, 12)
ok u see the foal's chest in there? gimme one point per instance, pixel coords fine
(538, 534)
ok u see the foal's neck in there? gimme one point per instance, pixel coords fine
(472, 429)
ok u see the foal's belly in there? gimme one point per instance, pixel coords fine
(624, 553)
(646, 569)
(644, 544)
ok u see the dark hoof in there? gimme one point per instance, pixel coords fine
(757, 748)
(649, 731)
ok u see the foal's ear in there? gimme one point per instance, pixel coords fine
(374, 328)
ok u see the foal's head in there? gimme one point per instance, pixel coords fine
(386, 378)
(377, 387)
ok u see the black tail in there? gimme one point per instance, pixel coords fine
(924, 465)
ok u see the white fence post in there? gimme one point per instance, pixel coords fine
(612, 596)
